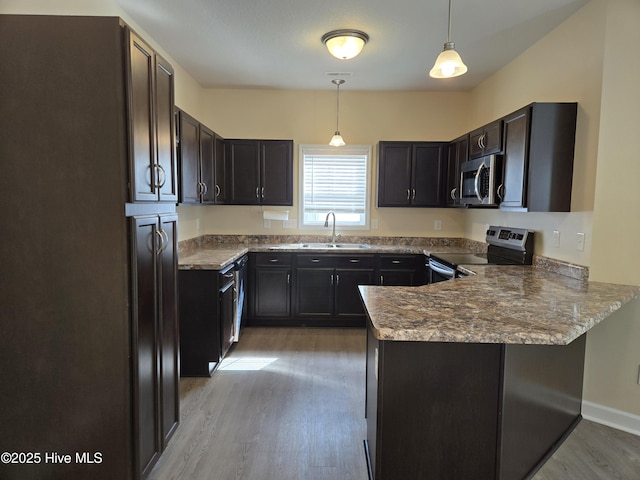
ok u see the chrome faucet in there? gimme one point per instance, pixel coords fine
(333, 231)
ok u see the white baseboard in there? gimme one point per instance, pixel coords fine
(611, 417)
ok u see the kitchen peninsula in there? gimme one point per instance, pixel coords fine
(479, 377)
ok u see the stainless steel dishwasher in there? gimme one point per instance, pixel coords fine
(239, 295)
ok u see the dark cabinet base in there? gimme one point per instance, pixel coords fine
(453, 410)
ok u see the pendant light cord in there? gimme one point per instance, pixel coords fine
(449, 29)
(338, 109)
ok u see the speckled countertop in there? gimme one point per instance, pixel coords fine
(549, 303)
(500, 304)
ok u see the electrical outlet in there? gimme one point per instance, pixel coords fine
(580, 241)
(197, 224)
(292, 223)
(267, 223)
(437, 225)
(556, 238)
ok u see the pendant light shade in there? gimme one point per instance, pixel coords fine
(337, 140)
(448, 64)
(345, 44)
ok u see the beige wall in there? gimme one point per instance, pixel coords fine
(613, 348)
(309, 117)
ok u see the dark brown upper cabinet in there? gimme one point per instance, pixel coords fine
(260, 172)
(150, 102)
(201, 162)
(538, 158)
(486, 140)
(410, 174)
(458, 154)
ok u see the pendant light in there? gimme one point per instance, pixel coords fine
(336, 140)
(345, 44)
(448, 64)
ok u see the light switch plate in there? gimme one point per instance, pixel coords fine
(556, 238)
(580, 241)
(437, 225)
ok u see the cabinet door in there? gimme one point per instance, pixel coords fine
(272, 292)
(169, 385)
(207, 165)
(189, 164)
(513, 190)
(243, 158)
(276, 172)
(165, 153)
(486, 140)
(146, 245)
(220, 176)
(144, 174)
(427, 174)
(348, 302)
(394, 174)
(315, 292)
(458, 154)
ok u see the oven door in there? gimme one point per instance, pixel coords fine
(439, 272)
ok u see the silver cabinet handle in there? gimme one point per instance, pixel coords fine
(262, 192)
(413, 195)
(331, 279)
(337, 279)
(408, 194)
(396, 261)
(381, 280)
(161, 174)
(315, 260)
(500, 191)
(258, 192)
(205, 188)
(217, 190)
(354, 260)
(288, 278)
(273, 260)
(453, 193)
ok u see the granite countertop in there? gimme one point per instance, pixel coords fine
(216, 256)
(500, 304)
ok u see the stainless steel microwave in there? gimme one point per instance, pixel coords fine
(479, 180)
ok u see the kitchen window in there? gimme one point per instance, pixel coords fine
(335, 180)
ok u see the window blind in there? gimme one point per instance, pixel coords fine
(336, 182)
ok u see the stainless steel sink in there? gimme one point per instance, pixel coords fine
(321, 246)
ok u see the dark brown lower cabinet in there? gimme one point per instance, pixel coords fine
(155, 336)
(207, 299)
(321, 289)
(468, 410)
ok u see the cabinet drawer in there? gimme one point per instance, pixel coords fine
(336, 261)
(401, 261)
(355, 261)
(273, 259)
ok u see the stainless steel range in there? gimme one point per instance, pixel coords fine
(507, 246)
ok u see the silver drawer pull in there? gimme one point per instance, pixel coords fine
(273, 260)
(315, 260)
(354, 260)
(396, 261)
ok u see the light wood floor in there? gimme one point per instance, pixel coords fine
(301, 416)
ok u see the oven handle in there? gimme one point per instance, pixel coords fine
(441, 269)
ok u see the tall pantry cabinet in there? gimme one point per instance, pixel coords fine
(88, 310)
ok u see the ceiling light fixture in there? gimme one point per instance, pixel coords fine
(345, 44)
(448, 64)
(336, 140)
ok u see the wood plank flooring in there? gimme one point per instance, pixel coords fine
(301, 416)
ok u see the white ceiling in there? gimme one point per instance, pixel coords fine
(275, 44)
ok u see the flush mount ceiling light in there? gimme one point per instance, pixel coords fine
(336, 140)
(345, 44)
(448, 64)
